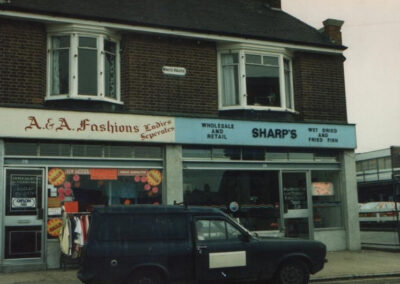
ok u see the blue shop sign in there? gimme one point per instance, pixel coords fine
(249, 133)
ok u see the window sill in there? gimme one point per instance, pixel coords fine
(259, 108)
(83, 98)
(329, 229)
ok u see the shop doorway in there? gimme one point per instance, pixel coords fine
(296, 204)
(23, 221)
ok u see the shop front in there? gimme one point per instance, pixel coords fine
(40, 192)
(277, 179)
(290, 194)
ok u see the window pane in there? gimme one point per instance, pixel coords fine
(60, 42)
(294, 190)
(257, 193)
(254, 154)
(87, 150)
(109, 46)
(87, 72)
(269, 60)
(50, 149)
(20, 149)
(148, 152)
(226, 153)
(110, 76)
(117, 151)
(388, 162)
(233, 233)
(87, 42)
(262, 85)
(286, 64)
(276, 156)
(327, 208)
(255, 59)
(288, 89)
(60, 72)
(209, 230)
(230, 84)
(228, 59)
(301, 156)
(200, 153)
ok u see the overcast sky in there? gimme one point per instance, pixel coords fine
(372, 70)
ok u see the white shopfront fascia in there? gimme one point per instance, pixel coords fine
(78, 125)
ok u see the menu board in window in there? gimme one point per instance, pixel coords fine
(23, 192)
(322, 189)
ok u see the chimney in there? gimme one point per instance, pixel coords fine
(332, 28)
(274, 3)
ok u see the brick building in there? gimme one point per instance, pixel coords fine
(211, 103)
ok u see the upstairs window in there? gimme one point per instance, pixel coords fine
(255, 80)
(83, 64)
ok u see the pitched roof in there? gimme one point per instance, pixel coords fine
(240, 18)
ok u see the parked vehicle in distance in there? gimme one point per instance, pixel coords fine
(380, 215)
(168, 244)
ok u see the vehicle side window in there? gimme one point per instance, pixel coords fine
(214, 230)
(233, 233)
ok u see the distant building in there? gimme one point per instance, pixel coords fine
(377, 175)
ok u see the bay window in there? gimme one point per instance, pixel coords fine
(83, 63)
(255, 80)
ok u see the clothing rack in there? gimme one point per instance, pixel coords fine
(70, 259)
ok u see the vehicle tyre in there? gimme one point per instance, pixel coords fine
(145, 277)
(292, 272)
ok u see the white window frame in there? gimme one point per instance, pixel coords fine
(242, 50)
(74, 32)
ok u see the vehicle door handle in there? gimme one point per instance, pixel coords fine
(201, 247)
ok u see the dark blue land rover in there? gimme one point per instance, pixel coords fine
(169, 244)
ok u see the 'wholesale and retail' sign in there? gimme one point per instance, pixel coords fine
(228, 132)
(68, 125)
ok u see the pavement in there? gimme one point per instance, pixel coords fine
(363, 264)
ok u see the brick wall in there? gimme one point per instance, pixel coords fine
(318, 78)
(319, 87)
(22, 62)
(146, 88)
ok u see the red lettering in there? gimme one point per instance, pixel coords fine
(84, 123)
(63, 124)
(33, 123)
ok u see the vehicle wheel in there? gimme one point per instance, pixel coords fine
(145, 277)
(292, 272)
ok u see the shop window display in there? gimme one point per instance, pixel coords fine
(256, 192)
(79, 189)
(327, 209)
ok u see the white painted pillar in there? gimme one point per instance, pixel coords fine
(173, 175)
(350, 200)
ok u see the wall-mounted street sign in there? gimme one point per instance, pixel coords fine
(174, 71)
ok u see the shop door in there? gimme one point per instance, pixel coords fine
(296, 204)
(23, 226)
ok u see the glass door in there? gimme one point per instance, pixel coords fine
(296, 204)
(23, 231)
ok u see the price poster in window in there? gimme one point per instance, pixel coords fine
(23, 192)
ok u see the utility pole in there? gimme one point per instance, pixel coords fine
(395, 157)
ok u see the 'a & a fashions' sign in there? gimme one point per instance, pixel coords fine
(85, 126)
